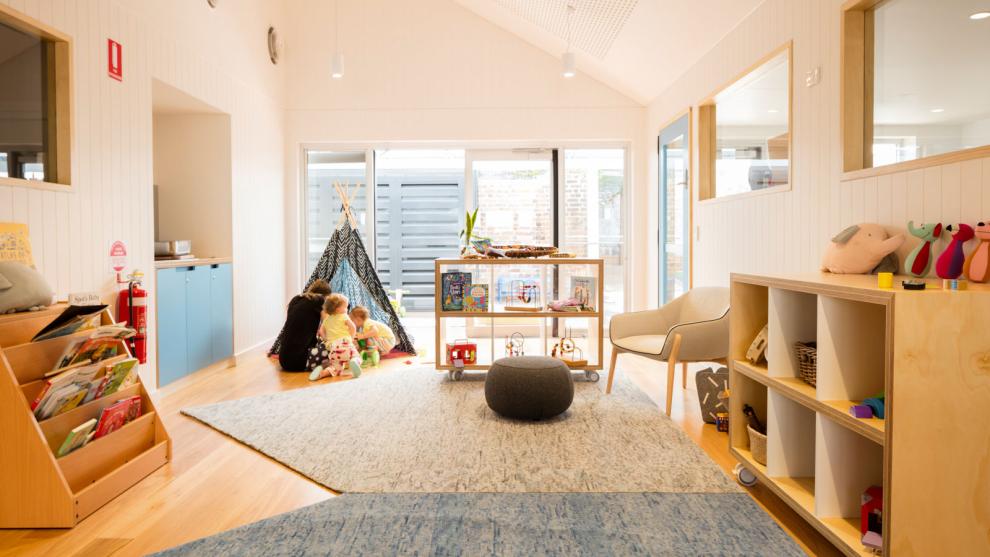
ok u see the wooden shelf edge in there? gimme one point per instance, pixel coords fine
(102, 491)
(863, 427)
(546, 314)
(82, 466)
(833, 533)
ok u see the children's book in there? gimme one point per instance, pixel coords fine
(72, 320)
(117, 415)
(585, 291)
(76, 438)
(452, 287)
(66, 390)
(476, 298)
(117, 377)
(95, 350)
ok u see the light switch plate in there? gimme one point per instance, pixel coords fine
(813, 77)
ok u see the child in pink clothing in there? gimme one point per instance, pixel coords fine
(338, 354)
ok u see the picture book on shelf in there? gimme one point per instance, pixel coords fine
(476, 298)
(82, 384)
(101, 343)
(585, 291)
(452, 287)
(72, 320)
(76, 438)
(118, 415)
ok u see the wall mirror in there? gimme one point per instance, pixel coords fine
(34, 102)
(745, 131)
(915, 83)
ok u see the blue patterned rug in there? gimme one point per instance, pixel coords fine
(523, 524)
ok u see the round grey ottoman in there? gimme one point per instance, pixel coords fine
(529, 387)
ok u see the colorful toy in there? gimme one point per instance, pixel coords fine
(524, 295)
(568, 352)
(515, 345)
(977, 266)
(861, 411)
(950, 263)
(722, 422)
(919, 261)
(871, 513)
(462, 352)
(876, 405)
(861, 249)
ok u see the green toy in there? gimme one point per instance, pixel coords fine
(919, 261)
(370, 358)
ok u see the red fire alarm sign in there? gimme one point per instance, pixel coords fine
(115, 64)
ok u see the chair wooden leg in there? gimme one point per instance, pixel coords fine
(684, 375)
(611, 370)
(672, 369)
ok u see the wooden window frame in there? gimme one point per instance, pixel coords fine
(856, 101)
(707, 141)
(58, 55)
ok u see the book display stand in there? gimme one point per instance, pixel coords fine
(39, 489)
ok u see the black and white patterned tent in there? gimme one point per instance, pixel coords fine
(345, 246)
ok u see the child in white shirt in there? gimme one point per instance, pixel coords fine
(378, 334)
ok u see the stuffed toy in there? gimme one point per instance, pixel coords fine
(861, 249)
(22, 288)
(919, 261)
(977, 266)
(950, 263)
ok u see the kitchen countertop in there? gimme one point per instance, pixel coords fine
(172, 263)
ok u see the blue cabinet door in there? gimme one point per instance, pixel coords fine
(199, 340)
(171, 308)
(222, 311)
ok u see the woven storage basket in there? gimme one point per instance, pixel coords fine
(807, 356)
(757, 445)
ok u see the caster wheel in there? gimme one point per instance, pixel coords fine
(456, 374)
(591, 376)
(744, 476)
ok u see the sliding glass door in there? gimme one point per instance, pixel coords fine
(323, 204)
(591, 223)
(419, 208)
(675, 210)
(514, 192)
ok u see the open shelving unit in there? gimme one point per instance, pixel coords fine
(39, 489)
(542, 328)
(931, 364)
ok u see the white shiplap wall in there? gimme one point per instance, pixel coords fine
(787, 232)
(217, 56)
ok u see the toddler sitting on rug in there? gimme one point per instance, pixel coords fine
(377, 334)
(338, 353)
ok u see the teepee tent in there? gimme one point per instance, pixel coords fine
(346, 266)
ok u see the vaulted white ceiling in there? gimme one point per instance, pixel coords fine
(638, 47)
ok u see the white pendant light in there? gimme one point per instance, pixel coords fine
(337, 63)
(568, 61)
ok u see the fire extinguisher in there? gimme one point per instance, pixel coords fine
(132, 309)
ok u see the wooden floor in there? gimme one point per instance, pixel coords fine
(214, 483)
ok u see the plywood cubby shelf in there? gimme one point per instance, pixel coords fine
(39, 489)
(933, 364)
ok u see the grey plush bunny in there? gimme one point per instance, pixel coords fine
(22, 288)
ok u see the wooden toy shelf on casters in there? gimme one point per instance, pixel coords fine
(928, 351)
(42, 491)
(542, 328)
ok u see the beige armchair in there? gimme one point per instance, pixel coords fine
(693, 327)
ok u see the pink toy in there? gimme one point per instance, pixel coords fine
(950, 263)
(859, 249)
(977, 266)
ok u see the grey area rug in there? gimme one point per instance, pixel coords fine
(510, 524)
(414, 431)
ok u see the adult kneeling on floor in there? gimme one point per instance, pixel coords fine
(302, 320)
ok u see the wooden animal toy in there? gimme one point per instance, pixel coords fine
(919, 261)
(950, 263)
(859, 249)
(977, 266)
